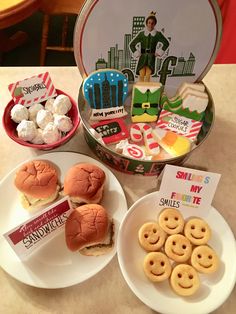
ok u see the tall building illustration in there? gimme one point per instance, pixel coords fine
(101, 64)
(120, 93)
(106, 93)
(184, 67)
(97, 93)
(127, 54)
(120, 59)
(189, 65)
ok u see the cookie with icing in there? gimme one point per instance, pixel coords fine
(106, 91)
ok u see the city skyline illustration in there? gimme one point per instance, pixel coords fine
(122, 59)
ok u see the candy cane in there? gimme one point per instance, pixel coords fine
(143, 130)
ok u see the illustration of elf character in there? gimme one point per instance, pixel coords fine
(146, 46)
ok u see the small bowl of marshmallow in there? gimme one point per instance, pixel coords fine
(44, 125)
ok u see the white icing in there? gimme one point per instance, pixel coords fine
(33, 110)
(63, 123)
(51, 134)
(26, 130)
(61, 104)
(43, 118)
(19, 113)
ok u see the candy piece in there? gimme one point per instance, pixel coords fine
(19, 113)
(130, 150)
(26, 130)
(49, 104)
(63, 123)
(111, 131)
(33, 111)
(184, 126)
(146, 101)
(43, 118)
(51, 134)
(142, 130)
(61, 104)
(105, 91)
(38, 139)
(175, 145)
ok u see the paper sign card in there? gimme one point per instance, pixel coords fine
(39, 229)
(35, 89)
(185, 187)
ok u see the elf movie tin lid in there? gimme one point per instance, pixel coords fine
(112, 34)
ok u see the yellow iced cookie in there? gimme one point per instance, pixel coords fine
(184, 280)
(204, 259)
(151, 236)
(178, 248)
(157, 266)
(171, 221)
(197, 231)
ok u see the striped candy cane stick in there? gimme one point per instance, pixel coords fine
(143, 130)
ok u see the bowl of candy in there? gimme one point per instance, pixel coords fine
(45, 125)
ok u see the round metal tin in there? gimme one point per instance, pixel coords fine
(102, 36)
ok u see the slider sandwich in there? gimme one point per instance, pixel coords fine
(84, 183)
(89, 230)
(37, 181)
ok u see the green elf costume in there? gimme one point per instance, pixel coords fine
(147, 45)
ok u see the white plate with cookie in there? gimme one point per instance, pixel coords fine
(53, 265)
(214, 288)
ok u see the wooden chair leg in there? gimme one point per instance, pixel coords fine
(64, 30)
(44, 40)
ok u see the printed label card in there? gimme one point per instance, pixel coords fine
(35, 89)
(39, 229)
(186, 187)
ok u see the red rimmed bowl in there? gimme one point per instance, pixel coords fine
(10, 126)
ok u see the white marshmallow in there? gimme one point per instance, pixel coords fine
(26, 130)
(43, 118)
(19, 113)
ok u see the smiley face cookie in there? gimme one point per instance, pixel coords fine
(151, 236)
(157, 266)
(178, 248)
(204, 259)
(184, 280)
(197, 231)
(171, 221)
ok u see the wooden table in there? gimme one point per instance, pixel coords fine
(107, 292)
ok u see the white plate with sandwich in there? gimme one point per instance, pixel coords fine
(53, 265)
